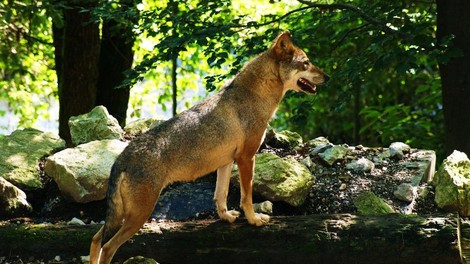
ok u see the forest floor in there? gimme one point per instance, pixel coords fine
(333, 192)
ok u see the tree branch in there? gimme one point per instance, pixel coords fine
(337, 43)
(278, 19)
(382, 26)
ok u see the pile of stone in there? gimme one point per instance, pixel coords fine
(81, 173)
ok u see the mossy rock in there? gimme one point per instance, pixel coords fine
(280, 179)
(452, 183)
(20, 155)
(367, 203)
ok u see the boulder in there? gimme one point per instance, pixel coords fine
(141, 125)
(82, 173)
(12, 200)
(20, 155)
(98, 124)
(279, 179)
(452, 184)
(367, 203)
(284, 139)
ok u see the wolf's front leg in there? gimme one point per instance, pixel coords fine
(221, 192)
(246, 168)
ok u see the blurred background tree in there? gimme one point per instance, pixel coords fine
(383, 57)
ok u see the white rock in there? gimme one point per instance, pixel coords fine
(82, 173)
(85, 259)
(361, 164)
(264, 207)
(404, 192)
(12, 200)
(75, 221)
(97, 124)
(398, 149)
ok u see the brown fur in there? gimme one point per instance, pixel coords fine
(228, 126)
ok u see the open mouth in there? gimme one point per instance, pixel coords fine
(307, 86)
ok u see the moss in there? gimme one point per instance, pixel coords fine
(367, 203)
(47, 240)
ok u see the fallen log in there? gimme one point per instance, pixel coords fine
(342, 238)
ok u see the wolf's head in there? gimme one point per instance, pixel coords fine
(295, 69)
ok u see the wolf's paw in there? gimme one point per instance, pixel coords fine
(229, 216)
(259, 220)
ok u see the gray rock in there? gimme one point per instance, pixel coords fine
(361, 165)
(20, 155)
(319, 141)
(307, 162)
(279, 179)
(425, 163)
(264, 207)
(367, 203)
(398, 149)
(82, 173)
(98, 124)
(452, 184)
(320, 149)
(404, 192)
(12, 200)
(285, 139)
(383, 156)
(331, 155)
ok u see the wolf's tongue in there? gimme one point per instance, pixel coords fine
(306, 86)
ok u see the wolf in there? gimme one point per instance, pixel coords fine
(225, 128)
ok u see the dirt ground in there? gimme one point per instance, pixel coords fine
(333, 192)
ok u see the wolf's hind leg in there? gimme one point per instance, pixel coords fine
(221, 192)
(139, 200)
(95, 247)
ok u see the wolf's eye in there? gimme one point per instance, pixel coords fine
(306, 64)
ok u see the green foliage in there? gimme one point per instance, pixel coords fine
(382, 57)
(26, 75)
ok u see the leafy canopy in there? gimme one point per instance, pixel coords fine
(382, 57)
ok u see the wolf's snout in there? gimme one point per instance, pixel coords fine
(325, 78)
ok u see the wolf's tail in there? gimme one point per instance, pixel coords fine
(115, 210)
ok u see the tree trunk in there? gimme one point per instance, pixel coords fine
(78, 66)
(342, 238)
(116, 56)
(174, 86)
(452, 18)
(58, 39)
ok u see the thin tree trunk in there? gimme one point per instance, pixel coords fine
(453, 19)
(116, 57)
(357, 110)
(79, 65)
(174, 85)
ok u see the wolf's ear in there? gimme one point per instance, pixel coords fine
(282, 47)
